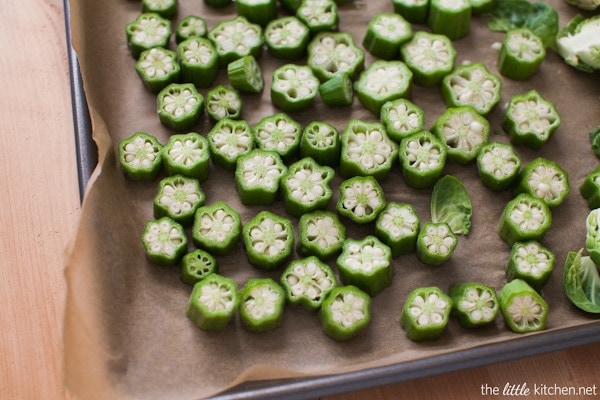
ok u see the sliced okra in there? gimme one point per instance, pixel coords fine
(260, 12)
(451, 18)
(398, 227)
(523, 309)
(498, 165)
(426, 313)
(429, 56)
(546, 180)
(366, 150)
(293, 87)
(307, 282)
(213, 302)
(321, 141)
(318, 15)
(164, 241)
(592, 235)
(158, 67)
(320, 234)
(337, 91)
(531, 262)
(268, 239)
(187, 154)
(383, 81)
(385, 33)
(345, 313)
(530, 119)
(228, 140)
(306, 187)
(279, 133)
(287, 38)
(217, 228)
(521, 54)
(197, 265)
(179, 106)
(245, 75)
(401, 118)
(165, 8)
(590, 188)
(140, 156)
(236, 38)
(414, 11)
(464, 131)
(198, 59)
(474, 304)
(423, 158)
(436, 243)
(178, 197)
(223, 102)
(361, 199)
(524, 218)
(333, 53)
(191, 26)
(257, 177)
(148, 30)
(262, 303)
(473, 85)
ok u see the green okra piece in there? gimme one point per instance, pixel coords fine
(524, 218)
(148, 30)
(245, 75)
(198, 60)
(197, 265)
(235, 38)
(213, 302)
(192, 26)
(423, 158)
(426, 313)
(381, 82)
(592, 235)
(590, 188)
(398, 226)
(259, 12)
(217, 228)
(279, 133)
(307, 282)
(334, 53)
(521, 54)
(451, 18)
(257, 177)
(385, 33)
(140, 156)
(320, 234)
(546, 180)
(530, 119)
(178, 197)
(414, 11)
(531, 262)
(474, 304)
(366, 150)
(498, 165)
(164, 241)
(217, 3)
(523, 309)
(464, 131)
(165, 8)
(429, 56)
(318, 15)
(345, 313)
(321, 141)
(287, 38)
(158, 67)
(436, 243)
(361, 199)
(337, 91)
(262, 304)
(474, 85)
(293, 87)
(187, 154)
(306, 187)
(228, 140)
(179, 106)
(401, 118)
(268, 239)
(223, 102)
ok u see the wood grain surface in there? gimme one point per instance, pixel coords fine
(40, 211)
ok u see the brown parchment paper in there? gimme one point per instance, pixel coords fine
(126, 333)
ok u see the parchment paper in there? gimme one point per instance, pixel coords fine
(126, 333)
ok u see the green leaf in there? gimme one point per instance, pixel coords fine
(450, 203)
(581, 282)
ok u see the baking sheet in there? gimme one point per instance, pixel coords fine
(126, 335)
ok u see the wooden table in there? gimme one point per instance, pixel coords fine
(40, 211)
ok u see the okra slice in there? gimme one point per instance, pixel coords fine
(318, 15)
(436, 243)
(257, 177)
(321, 141)
(236, 38)
(306, 187)
(293, 87)
(279, 133)
(179, 106)
(245, 75)
(464, 131)
(530, 119)
(287, 38)
(164, 241)
(361, 199)
(366, 150)
(451, 18)
(260, 12)
(158, 67)
(590, 188)
(521, 54)
(337, 91)
(197, 265)
(187, 154)
(423, 158)
(398, 227)
(140, 156)
(429, 56)
(383, 81)
(531, 262)
(498, 165)
(307, 282)
(473, 85)
(198, 59)
(333, 53)
(165, 8)
(178, 197)
(524, 218)
(191, 26)
(223, 102)
(148, 30)
(426, 313)
(268, 239)
(414, 11)
(213, 302)
(320, 234)
(592, 235)
(345, 313)
(385, 33)
(523, 309)
(546, 180)
(217, 228)
(401, 118)
(474, 304)
(228, 140)
(262, 304)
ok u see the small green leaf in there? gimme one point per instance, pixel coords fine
(450, 203)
